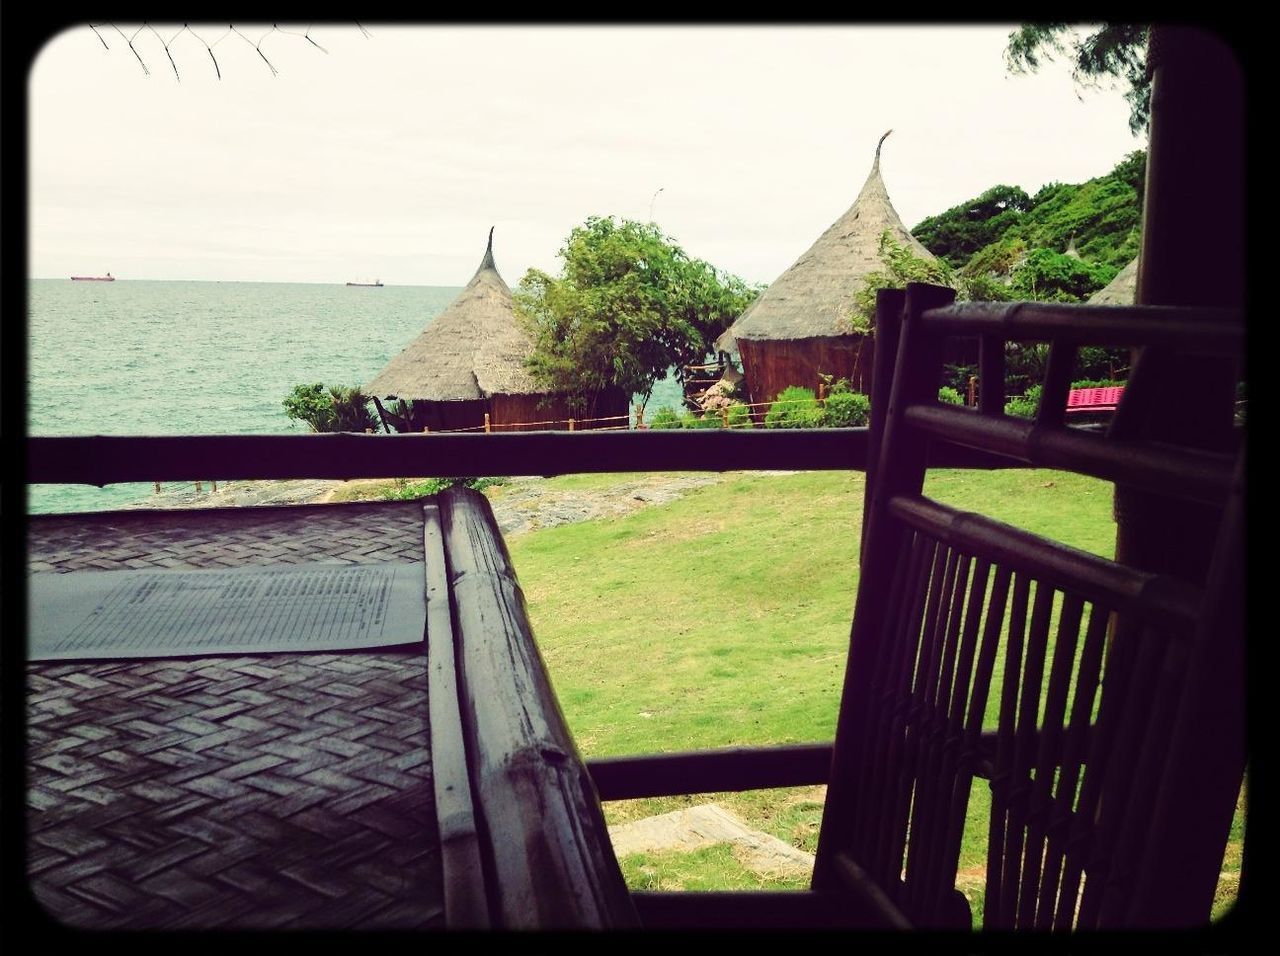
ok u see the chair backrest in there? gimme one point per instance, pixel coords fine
(1094, 696)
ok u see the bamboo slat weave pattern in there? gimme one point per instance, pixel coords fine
(252, 792)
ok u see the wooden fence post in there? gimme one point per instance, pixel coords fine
(724, 415)
(199, 487)
(639, 416)
(486, 423)
(156, 485)
(571, 424)
(973, 390)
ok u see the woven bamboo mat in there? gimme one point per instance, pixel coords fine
(274, 791)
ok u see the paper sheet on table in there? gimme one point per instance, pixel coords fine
(152, 613)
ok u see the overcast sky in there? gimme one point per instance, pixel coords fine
(392, 155)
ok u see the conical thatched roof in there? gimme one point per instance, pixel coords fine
(814, 297)
(473, 349)
(1122, 290)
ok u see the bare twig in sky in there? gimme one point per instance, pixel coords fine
(129, 41)
(166, 50)
(217, 67)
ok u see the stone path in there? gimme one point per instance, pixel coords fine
(528, 504)
(706, 825)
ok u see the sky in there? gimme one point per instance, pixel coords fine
(387, 151)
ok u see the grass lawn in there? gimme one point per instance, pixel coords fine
(722, 619)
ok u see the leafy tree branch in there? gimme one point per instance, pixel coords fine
(628, 305)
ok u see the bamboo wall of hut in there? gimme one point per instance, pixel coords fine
(773, 366)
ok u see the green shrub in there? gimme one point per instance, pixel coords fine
(333, 409)
(433, 486)
(1025, 405)
(739, 415)
(949, 396)
(706, 420)
(351, 409)
(846, 409)
(665, 417)
(1097, 383)
(668, 417)
(795, 407)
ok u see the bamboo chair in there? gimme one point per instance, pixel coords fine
(1118, 751)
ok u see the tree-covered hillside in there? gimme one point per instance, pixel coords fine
(1022, 240)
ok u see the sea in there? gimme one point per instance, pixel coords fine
(139, 357)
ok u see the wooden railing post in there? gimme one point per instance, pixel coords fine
(571, 424)
(486, 423)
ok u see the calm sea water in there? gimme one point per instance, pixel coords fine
(193, 358)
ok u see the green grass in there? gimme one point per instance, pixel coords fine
(722, 619)
(714, 867)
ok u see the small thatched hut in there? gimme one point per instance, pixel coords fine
(1122, 290)
(800, 327)
(470, 361)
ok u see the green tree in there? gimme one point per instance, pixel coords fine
(992, 234)
(335, 408)
(628, 305)
(1116, 51)
(1048, 276)
(955, 235)
(901, 266)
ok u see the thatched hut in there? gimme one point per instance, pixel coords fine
(469, 362)
(801, 328)
(1122, 290)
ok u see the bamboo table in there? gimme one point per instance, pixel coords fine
(428, 786)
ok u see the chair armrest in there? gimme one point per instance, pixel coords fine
(548, 860)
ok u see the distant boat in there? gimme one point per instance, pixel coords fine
(375, 284)
(106, 278)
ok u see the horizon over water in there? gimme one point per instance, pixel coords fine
(203, 357)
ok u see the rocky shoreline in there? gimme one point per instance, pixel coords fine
(519, 505)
